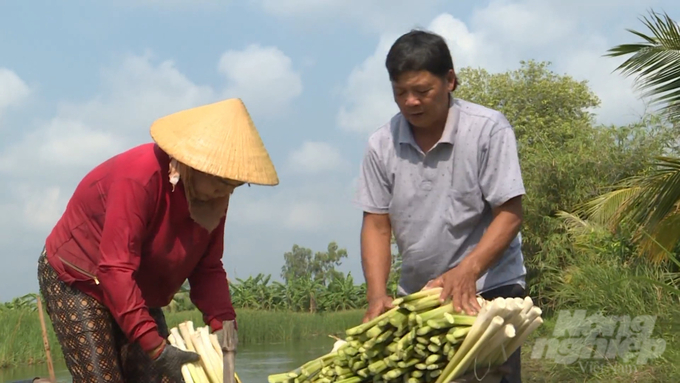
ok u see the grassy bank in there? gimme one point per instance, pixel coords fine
(610, 289)
(22, 336)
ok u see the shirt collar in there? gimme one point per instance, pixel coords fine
(448, 135)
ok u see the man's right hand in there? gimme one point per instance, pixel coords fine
(377, 306)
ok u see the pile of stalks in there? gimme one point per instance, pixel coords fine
(422, 340)
(210, 367)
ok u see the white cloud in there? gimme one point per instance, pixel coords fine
(58, 149)
(171, 4)
(497, 38)
(313, 204)
(619, 103)
(517, 23)
(42, 207)
(13, 90)
(305, 215)
(134, 94)
(376, 15)
(316, 157)
(368, 94)
(81, 135)
(263, 77)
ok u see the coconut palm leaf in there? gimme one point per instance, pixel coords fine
(606, 209)
(655, 62)
(650, 203)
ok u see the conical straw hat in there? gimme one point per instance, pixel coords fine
(218, 139)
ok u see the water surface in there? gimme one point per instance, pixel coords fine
(253, 362)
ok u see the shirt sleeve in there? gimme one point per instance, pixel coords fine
(129, 207)
(209, 287)
(500, 173)
(374, 192)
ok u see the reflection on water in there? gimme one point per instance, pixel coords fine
(253, 362)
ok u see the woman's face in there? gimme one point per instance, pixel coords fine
(208, 187)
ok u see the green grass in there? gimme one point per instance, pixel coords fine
(258, 327)
(22, 338)
(22, 335)
(611, 289)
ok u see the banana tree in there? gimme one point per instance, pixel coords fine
(341, 294)
(649, 204)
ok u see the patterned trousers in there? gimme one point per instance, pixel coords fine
(94, 347)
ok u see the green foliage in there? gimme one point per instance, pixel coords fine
(311, 284)
(299, 263)
(566, 158)
(302, 295)
(27, 302)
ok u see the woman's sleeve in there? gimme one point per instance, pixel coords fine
(209, 287)
(129, 206)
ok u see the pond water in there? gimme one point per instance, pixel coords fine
(253, 362)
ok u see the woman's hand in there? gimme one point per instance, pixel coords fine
(171, 360)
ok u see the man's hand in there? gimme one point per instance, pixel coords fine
(377, 306)
(459, 284)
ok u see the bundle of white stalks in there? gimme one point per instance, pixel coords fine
(210, 367)
(501, 326)
(422, 340)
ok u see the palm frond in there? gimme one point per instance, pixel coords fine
(655, 246)
(650, 203)
(608, 208)
(574, 223)
(659, 196)
(580, 229)
(655, 62)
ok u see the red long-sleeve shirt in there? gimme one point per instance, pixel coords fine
(128, 240)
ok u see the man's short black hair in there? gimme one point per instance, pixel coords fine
(416, 51)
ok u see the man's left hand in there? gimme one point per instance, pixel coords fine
(459, 284)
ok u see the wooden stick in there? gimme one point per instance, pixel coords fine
(46, 342)
(229, 343)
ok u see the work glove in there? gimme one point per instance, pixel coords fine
(171, 360)
(227, 337)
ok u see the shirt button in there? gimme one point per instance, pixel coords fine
(426, 185)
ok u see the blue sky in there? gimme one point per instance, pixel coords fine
(81, 81)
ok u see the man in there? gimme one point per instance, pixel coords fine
(443, 175)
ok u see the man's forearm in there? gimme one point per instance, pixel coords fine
(502, 230)
(376, 257)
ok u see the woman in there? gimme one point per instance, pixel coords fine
(138, 226)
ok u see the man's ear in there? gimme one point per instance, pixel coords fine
(451, 81)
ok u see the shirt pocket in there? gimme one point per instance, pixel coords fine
(464, 208)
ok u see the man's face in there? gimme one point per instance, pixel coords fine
(423, 97)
